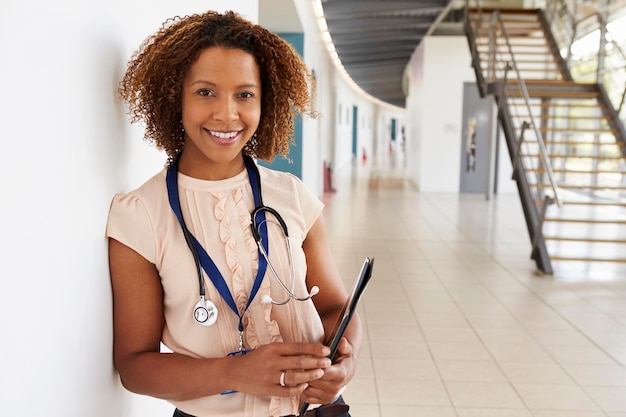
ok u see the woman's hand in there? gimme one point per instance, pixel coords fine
(259, 371)
(325, 389)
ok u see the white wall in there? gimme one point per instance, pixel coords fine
(328, 138)
(366, 132)
(384, 116)
(342, 143)
(66, 149)
(437, 71)
(415, 103)
(374, 120)
(317, 59)
(439, 67)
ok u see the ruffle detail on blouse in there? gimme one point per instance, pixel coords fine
(246, 222)
(281, 406)
(272, 331)
(230, 244)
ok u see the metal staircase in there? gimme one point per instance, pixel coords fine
(565, 138)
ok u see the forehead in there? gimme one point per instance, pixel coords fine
(224, 66)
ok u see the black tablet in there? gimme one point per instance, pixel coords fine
(350, 305)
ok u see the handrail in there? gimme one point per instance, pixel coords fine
(559, 7)
(480, 13)
(621, 53)
(496, 18)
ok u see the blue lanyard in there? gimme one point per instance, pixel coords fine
(205, 260)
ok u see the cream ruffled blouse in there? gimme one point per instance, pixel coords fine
(218, 214)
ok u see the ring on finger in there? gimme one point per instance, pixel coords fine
(282, 379)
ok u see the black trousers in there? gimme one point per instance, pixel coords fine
(319, 412)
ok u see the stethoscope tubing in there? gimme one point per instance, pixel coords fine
(196, 259)
(290, 292)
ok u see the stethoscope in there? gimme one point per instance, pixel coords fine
(205, 312)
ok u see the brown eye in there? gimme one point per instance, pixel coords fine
(204, 92)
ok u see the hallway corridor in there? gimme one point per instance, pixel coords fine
(457, 322)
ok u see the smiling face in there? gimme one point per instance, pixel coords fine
(221, 108)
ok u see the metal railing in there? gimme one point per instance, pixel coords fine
(497, 28)
(606, 65)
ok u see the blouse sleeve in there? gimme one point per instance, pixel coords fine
(129, 223)
(310, 205)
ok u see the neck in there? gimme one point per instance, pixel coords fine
(210, 170)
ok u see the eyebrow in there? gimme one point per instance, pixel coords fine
(245, 85)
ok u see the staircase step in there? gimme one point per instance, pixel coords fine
(590, 157)
(553, 89)
(570, 239)
(586, 259)
(582, 142)
(548, 93)
(574, 118)
(598, 250)
(576, 171)
(523, 32)
(581, 187)
(585, 221)
(595, 203)
(558, 156)
(525, 70)
(561, 102)
(540, 55)
(526, 61)
(501, 44)
(578, 130)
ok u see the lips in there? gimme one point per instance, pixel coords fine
(224, 138)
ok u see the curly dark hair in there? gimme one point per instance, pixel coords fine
(152, 84)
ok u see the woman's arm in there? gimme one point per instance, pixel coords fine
(138, 322)
(322, 272)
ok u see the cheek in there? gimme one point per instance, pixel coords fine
(254, 115)
(192, 114)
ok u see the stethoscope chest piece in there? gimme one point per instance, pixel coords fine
(205, 312)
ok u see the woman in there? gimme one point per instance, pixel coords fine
(246, 335)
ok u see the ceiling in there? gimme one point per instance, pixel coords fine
(375, 39)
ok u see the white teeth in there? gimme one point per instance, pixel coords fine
(224, 135)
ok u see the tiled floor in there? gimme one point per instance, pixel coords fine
(457, 321)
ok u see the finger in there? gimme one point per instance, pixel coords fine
(305, 363)
(305, 349)
(289, 357)
(317, 396)
(345, 348)
(296, 378)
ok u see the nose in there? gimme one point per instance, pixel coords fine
(226, 110)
